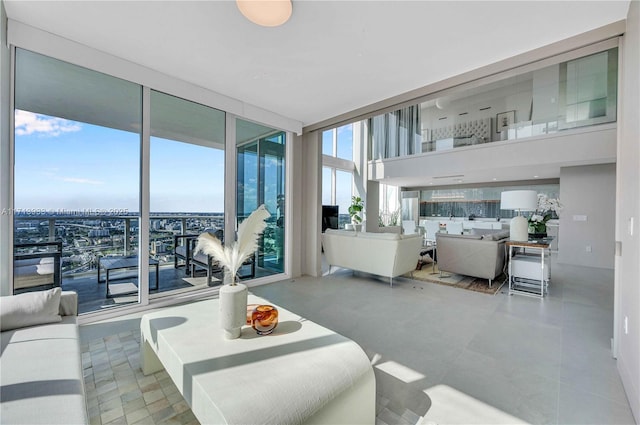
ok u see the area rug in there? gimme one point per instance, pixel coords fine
(429, 273)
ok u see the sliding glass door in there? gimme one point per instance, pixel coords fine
(261, 180)
(186, 190)
(76, 181)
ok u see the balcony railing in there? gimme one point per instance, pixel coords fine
(86, 238)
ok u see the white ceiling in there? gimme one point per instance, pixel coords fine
(330, 58)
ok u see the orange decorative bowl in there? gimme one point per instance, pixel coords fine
(264, 319)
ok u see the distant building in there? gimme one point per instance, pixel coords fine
(81, 243)
(158, 247)
(98, 233)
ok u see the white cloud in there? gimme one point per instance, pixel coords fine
(80, 180)
(28, 123)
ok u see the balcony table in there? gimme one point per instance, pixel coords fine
(121, 263)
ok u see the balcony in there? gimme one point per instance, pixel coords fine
(88, 238)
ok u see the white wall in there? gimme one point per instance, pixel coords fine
(295, 234)
(310, 173)
(373, 205)
(5, 157)
(588, 191)
(627, 298)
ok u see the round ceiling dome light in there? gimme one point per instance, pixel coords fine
(267, 13)
(442, 102)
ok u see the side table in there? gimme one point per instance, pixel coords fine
(529, 273)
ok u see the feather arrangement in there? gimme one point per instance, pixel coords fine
(232, 257)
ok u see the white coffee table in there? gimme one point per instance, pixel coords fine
(301, 373)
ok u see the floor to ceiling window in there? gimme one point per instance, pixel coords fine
(87, 172)
(76, 176)
(186, 189)
(261, 172)
(338, 170)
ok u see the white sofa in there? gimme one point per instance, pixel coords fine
(41, 380)
(383, 254)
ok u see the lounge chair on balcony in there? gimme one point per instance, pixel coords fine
(184, 245)
(37, 266)
(184, 252)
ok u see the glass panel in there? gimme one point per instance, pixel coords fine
(588, 89)
(389, 206)
(344, 191)
(572, 94)
(186, 189)
(261, 180)
(77, 168)
(396, 133)
(326, 186)
(327, 143)
(345, 142)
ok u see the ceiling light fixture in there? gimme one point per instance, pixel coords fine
(267, 13)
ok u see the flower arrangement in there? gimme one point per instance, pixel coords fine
(232, 257)
(546, 208)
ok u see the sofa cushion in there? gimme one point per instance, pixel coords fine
(68, 303)
(453, 235)
(341, 232)
(41, 375)
(496, 236)
(480, 231)
(383, 236)
(31, 308)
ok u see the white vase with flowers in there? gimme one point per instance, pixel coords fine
(547, 208)
(233, 295)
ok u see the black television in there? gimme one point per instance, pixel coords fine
(329, 217)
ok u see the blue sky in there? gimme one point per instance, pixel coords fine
(61, 164)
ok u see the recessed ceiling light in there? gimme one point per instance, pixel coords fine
(267, 13)
(535, 177)
(494, 179)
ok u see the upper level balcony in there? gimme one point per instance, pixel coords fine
(524, 124)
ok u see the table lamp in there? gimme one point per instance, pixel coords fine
(520, 200)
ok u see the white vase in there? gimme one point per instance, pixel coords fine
(233, 309)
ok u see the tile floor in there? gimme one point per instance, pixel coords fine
(117, 391)
(541, 361)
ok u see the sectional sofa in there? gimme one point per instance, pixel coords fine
(41, 380)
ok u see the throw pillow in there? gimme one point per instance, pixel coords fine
(502, 234)
(30, 308)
